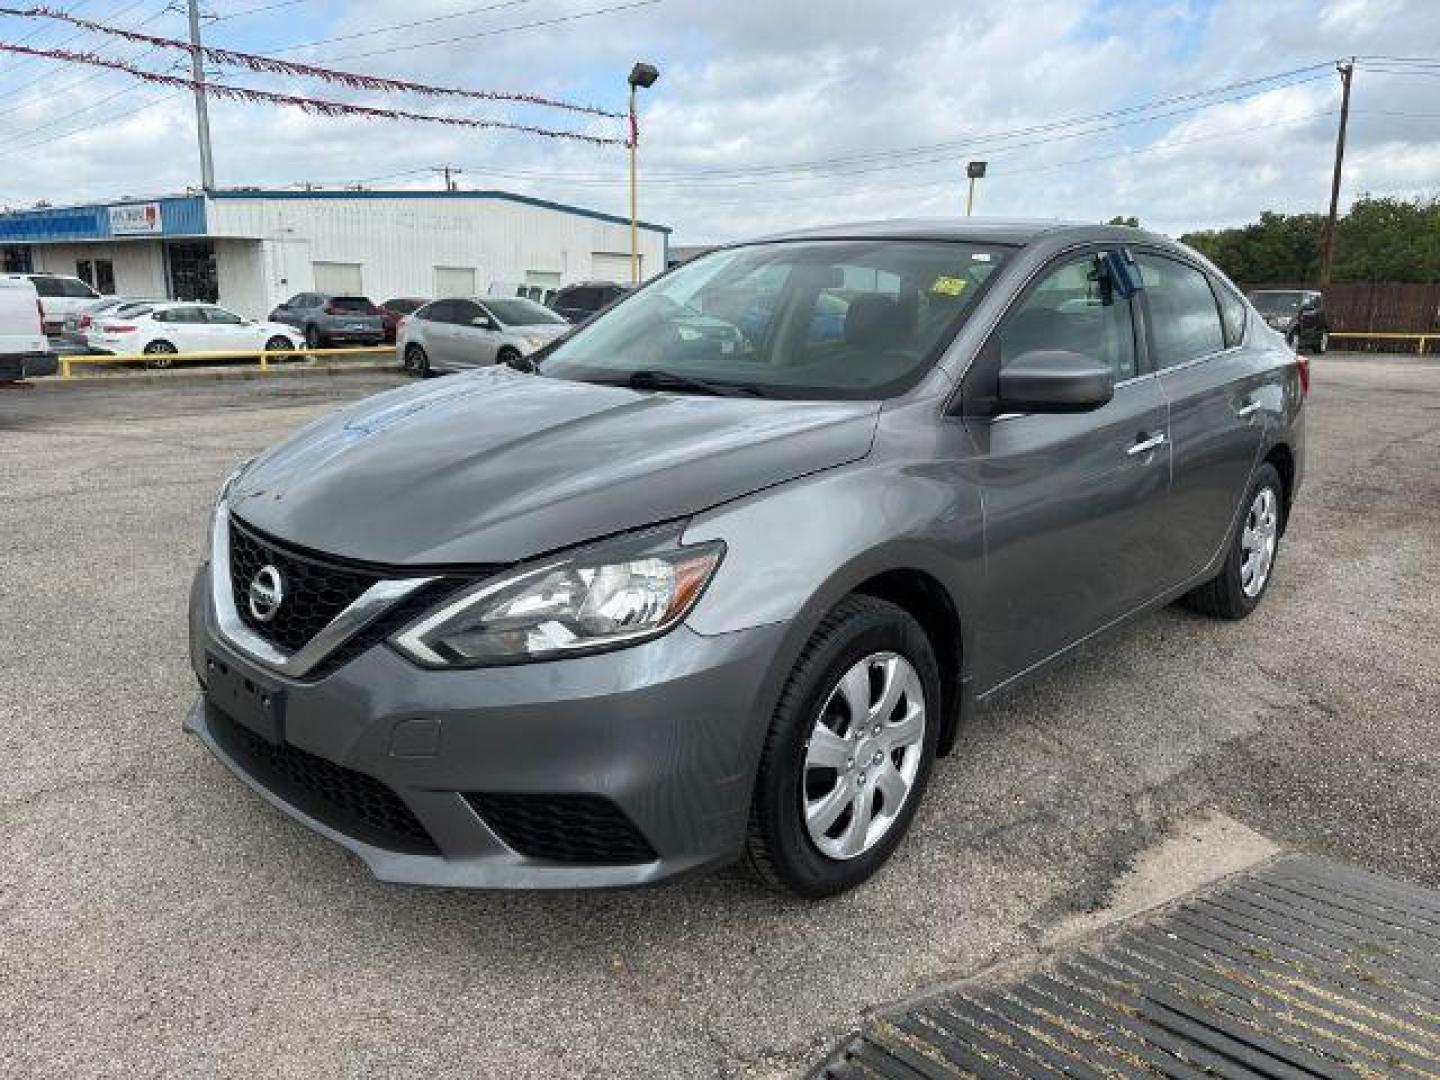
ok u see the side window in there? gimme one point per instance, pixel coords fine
(463, 312)
(221, 317)
(1232, 315)
(186, 315)
(1074, 309)
(1184, 319)
(439, 311)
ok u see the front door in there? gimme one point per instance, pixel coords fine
(1074, 504)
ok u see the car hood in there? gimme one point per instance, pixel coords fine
(547, 330)
(498, 466)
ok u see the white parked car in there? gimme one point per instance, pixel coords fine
(451, 335)
(60, 295)
(77, 324)
(24, 349)
(182, 326)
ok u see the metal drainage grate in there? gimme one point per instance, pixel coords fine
(1300, 969)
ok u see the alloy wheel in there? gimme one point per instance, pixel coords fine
(1257, 541)
(863, 755)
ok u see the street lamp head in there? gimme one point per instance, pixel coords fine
(644, 75)
(975, 170)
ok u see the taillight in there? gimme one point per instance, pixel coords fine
(84, 322)
(1302, 364)
(40, 311)
(330, 309)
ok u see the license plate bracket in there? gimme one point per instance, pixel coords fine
(246, 698)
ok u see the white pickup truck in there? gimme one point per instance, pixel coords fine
(24, 349)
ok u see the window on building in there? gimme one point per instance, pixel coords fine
(192, 271)
(17, 260)
(454, 281)
(99, 274)
(338, 277)
(1185, 321)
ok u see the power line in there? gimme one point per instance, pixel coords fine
(404, 25)
(496, 32)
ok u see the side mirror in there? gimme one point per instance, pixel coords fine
(484, 322)
(1054, 381)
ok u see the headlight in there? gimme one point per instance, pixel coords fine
(534, 341)
(562, 608)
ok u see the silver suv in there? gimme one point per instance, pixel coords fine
(687, 596)
(328, 320)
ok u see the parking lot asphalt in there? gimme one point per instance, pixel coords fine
(159, 919)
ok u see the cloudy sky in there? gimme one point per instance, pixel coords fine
(770, 113)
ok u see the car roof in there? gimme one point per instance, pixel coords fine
(1010, 231)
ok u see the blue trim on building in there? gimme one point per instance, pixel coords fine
(502, 196)
(179, 216)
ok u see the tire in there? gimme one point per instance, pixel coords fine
(280, 344)
(865, 635)
(417, 362)
(161, 354)
(508, 356)
(1232, 593)
(1322, 343)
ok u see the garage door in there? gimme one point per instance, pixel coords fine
(455, 281)
(613, 266)
(338, 278)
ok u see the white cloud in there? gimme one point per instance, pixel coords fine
(748, 84)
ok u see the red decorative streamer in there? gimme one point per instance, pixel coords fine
(315, 106)
(272, 66)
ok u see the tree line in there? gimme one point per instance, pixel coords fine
(1380, 239)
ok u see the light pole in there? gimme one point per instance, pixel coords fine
(975, 170)
(641, 76)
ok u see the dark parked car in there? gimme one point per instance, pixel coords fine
(682, 597)
(392, 311)
(579, 302)
(1299, 314)
(327, 320)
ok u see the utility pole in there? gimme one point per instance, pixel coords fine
(202, 105)
(446, 170)
(1327, 242)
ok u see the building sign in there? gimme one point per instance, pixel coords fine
(132, 219)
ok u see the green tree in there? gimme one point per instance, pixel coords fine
(1132, 221)
(1380, 239)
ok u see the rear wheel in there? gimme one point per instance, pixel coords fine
(161, 354)
(1237, 590)
(416, 361)
(280, 344)
(848, 753)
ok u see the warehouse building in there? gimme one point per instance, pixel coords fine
(250, 249)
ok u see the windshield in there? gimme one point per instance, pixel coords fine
(521, 312)
(815, 319)
(1277, 303)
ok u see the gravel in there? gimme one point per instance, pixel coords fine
(159, 920)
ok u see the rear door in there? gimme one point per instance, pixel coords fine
(1074, 505)
(1215, 389)
(229, 331)
(187, 329)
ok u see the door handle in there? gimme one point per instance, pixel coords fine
(1248, 409)
(1146, 443)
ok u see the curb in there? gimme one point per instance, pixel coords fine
(214, 374)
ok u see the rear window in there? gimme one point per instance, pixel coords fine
(61, 286)
(358, 305)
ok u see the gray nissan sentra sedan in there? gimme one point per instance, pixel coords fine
(724, 576)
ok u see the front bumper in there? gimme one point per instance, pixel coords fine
(668, 733)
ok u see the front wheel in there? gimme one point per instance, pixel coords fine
(511, 358)
(417, 363)
(161, 354)
(848, 753)
(1237, 590)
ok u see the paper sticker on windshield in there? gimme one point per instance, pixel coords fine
(948, 286)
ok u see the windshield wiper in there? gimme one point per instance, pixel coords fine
(655, 379)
